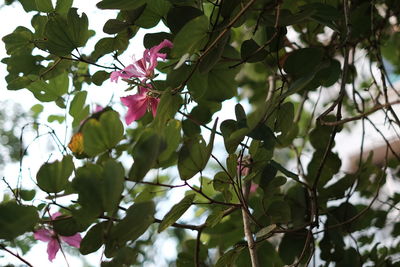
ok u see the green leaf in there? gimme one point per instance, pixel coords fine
(44, 6)
(113, 26)
(166, 110)
(99, 77)
(94, 238)
(176, 212)
(19, 41)
(197, 29)
(37, 109)
(215, 54)
(67, 226)
(155, 10)
(58, 118)
(265, 231)
(53, 177)
(221, 83)
(283, 170)
(178, 16)
(215, 217)
(172, 136)
(292, 245)
(330, 75)
(51, 91)
(102, 134)
(145, 153)
(279, 211)
(120, 4)
(303, 61)
(77, 103)
(197, 84)
(194, 155)
(66, 34)
(87, 183)
(28, 5)
(153, 39)
(138, 218)
(112, 185)
(27, 195)
(16, 219)
(284, 120)
(63, 6)
(247, 51)
(99, 187)
(228, 259)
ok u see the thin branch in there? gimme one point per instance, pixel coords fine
(197, 252)
(363, 115)
(15, 255)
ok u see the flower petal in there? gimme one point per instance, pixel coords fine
(154, 104)
(74, 240)
(52, 248)
(114, 76)
(137, 106)
(43, 235)
(55, 215)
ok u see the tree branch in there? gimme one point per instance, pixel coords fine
(247, 230)
(15, 255)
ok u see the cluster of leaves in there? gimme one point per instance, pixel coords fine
(222, 49)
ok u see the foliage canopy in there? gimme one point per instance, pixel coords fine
(268, 186)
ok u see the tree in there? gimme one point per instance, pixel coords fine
(254, 209)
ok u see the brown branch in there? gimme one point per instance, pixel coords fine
(247, 229)
(15, 255)
(197, 252)
(363, 115)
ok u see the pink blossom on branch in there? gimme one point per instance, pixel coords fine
(53, 246)
(139, 103)
(143, 68)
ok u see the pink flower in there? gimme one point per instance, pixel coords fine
(143, 68)
(54, 240)
(253, 187)
(139, 103)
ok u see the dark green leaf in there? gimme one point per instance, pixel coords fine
(16, 219)
(180, 15)
(197, 29)
(176, 212)
(44, 6)
(138, 218)
(93, 239)
(303, 61)
(120, 4)
(265, 231)
(248, 49)
(66, 34)
(99, 77)
(194, 155)
(53, 177)
(155, 10)
(103, 134)
(77, 103)
(145, 153)
(113, 26)
(63, 6)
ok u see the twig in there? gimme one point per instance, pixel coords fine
(197, 252)
(15, 255)
(363, 115)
